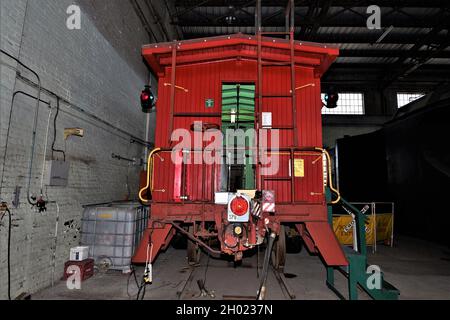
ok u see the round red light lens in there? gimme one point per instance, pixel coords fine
(239, 206)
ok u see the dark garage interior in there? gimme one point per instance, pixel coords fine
(224, 150)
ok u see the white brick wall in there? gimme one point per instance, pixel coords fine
(97, 68)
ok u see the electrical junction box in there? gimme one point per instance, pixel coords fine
(57, 173)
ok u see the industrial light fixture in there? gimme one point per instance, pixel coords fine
(231, 18)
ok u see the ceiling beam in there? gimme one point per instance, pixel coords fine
(144, 21)
(388, 53)
(336, 3)
(312, 12)
(363, 73)
(412, 58)
(249, 18)
(365, 38)
(345, 21)
(189, 9)
(160, 12)
(380, 66)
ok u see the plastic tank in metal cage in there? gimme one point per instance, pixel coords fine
(113, 231)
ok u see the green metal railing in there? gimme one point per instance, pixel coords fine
(356, 271)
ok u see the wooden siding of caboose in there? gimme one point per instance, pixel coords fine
(204, 81)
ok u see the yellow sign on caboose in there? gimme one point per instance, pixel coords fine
(299, 168)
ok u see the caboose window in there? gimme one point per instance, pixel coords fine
(350, 103)
(405, 98)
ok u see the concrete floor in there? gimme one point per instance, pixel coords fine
(420, 270)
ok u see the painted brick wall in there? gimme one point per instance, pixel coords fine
(97, 68)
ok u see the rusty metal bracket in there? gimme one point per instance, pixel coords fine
(194, 238)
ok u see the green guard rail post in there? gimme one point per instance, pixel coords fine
(356, 272)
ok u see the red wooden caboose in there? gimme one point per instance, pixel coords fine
(269, 85)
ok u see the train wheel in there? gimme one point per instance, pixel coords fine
(294, 244)
(179, 241)
(279, 250)
(193, 250)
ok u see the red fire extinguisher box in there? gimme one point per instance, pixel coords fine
(85, 267)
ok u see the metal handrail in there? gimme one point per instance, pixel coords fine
(372, 206)
(149, 170)
(292, 152)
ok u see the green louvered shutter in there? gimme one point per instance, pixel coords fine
(238, 112)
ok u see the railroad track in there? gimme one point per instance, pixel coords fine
(187, 282)
(285, 288)
(279, 276)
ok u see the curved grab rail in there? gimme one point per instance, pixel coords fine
(157, 150)
(330, 177)
(149, 170)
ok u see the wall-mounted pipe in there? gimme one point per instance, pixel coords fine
(86, 113)
(119, 157)
(45, 149)
(54, 133)
(145, 144)
(39, 88)
(6, 211)
(33, 143)
(7, 133)
(15, 94)
(55, 243)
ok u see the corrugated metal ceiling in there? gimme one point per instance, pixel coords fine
(419, 33)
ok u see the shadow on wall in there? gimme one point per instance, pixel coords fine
(407, 162)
